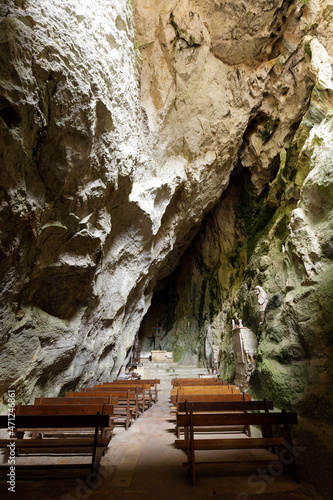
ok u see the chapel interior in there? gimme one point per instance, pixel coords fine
(166, 215)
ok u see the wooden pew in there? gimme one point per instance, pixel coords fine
(153, 383)
(95, 445)
(225, 406)
(181, 398)
(126, 405)
(109, 400)
(201, 390)
(143, 392)
(213, 397)
(196, 381)
(192, 445)
(69, 409)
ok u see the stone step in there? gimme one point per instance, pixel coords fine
(173, 366)
(172, 370)
(167, 371)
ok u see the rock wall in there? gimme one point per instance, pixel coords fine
(280, 239)
(258, 77)
(70, 143)
(245, 346)
(121, 132)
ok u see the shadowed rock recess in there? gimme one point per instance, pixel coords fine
(158, 161)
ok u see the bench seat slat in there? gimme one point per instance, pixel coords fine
(42, 467)
(200, 419)
(218, 429)
(229, 444)
(227, 463)
(49, 430)
(224, 406)
(210, 397)
(55, 421)
(83, 409)
(56, 443)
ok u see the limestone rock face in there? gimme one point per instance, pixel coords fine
(258, 78)
(120, 131)
(245, 346)
(70, 137)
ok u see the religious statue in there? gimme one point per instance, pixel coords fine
(156, 337)
(262, 301)
(136, 351)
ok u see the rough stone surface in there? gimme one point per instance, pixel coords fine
(172, 154)
(105, 183)
(245, 345)
(70, 139)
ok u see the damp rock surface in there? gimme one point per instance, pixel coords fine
(129, 132)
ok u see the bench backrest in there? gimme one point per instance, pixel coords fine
(197, 381)
(206, 389)
(77, 401)
(150, 382)
(70, 409)
(121, 395)
(179, 398)
(224, 406)
(215, 419)
(137, 388)
(56, 421)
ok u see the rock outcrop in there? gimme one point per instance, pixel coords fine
(70, 142)
(127, 135)
(245, 345)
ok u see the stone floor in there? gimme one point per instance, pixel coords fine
(142, 464)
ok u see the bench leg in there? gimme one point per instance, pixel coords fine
(98, 455)
(192, 451)
(192, 467)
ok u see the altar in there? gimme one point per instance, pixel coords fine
(156, 356)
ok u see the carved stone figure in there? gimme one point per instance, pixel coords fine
(215, 366)
(262, 301)
(245, 346)
(136, 351)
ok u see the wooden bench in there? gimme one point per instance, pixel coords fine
(109, 400)
(205, 388)
(143, 392)
(181, 398)
(226, 406)
(224, 396)
(69, 409)
(126, 403)
(196, 381)
(153, 383)
(192, 445)
(95, 445)
(144, 389)
(201, 390)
